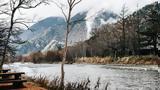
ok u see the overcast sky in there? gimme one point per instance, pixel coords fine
(44, 11)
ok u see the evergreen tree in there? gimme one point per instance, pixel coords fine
(151, 29)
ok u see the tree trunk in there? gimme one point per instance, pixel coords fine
(124, 37)
(64, 59)
(155, 44)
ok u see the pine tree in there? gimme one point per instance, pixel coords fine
(151, 29)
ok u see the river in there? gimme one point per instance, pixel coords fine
(118, 77)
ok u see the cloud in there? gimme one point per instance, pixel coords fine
(94, 5)
(116, 5)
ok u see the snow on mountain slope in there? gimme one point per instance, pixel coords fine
(53, 45)
(47, 33)
(53, 28)
(41, 26)
(99, 18)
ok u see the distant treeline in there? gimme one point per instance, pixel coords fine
(38, 57)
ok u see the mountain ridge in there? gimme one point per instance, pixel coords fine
(53, 29)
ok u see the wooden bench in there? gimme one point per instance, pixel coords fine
(15, 78)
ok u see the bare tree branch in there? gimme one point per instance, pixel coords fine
(76, 3)
(61, 8)
(4, 4)
(5, 12)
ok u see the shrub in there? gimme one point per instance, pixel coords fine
(55, 84)
(95, 60)
(146, 60)
(39, 57)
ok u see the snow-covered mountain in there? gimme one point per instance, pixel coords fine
(49, 34)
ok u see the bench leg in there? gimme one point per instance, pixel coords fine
(5, 77)
(18, 84)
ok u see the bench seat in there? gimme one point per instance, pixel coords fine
(5, 69)
(12, 81)
(16, 83)
(14, 73)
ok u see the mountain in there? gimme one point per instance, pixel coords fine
(49, 33)
(41, 26)
(41, 34)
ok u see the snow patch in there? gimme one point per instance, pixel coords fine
(90, 19)
(53, 46)
(93, 14)
(89, 29)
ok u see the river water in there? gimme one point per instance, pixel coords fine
(118, 77)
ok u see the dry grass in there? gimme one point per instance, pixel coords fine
(144, 60)
(55, 83)
(95, 60)
(138, 60)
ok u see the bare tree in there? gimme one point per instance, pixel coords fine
(123, 17)
(67, 12)
(15, 6)
(137, 24)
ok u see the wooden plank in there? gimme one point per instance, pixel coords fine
(10, 73)
(7, 79)
(16, 76)
(5, 69)
(13, 81)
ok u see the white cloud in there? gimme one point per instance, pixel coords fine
(115, 5)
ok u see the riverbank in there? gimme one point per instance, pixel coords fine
(132, 60)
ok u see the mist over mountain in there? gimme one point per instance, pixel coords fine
(49, 33)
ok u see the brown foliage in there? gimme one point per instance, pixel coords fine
(39, 57)
(53, 56)
(139, 60)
